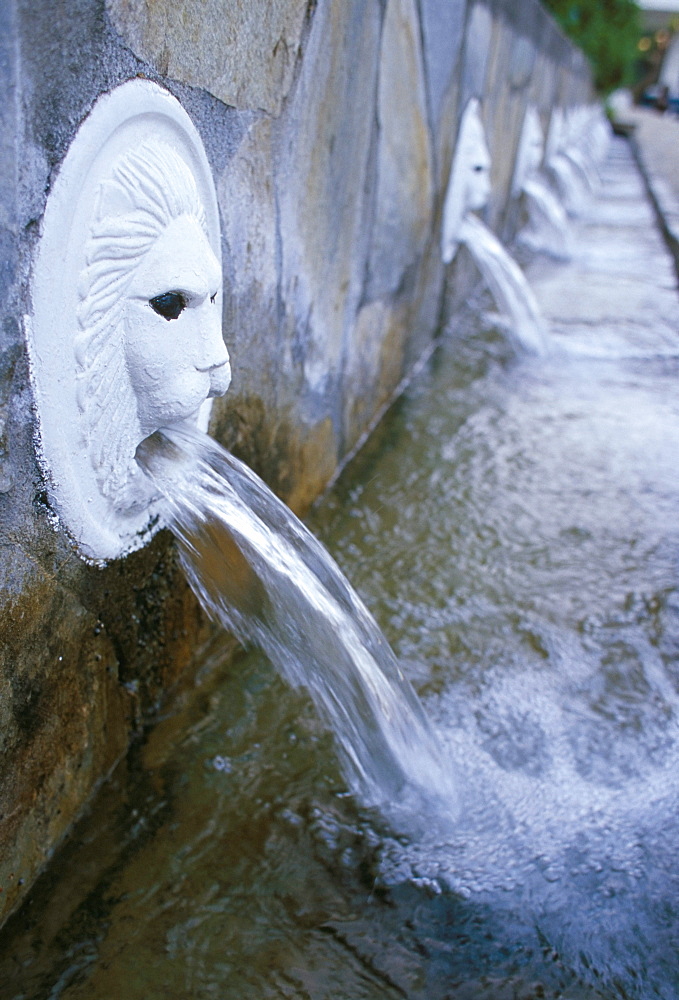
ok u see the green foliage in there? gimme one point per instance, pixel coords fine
(607, 31)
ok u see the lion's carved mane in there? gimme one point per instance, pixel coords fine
(148, 189)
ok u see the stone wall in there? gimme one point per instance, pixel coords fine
(330, 130)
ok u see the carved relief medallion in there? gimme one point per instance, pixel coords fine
(125, 329)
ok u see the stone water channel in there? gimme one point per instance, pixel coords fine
(513, 526)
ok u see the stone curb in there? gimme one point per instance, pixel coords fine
(663, 199)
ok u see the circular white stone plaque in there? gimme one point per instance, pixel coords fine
(124, 332)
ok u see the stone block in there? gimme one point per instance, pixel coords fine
(363, 395)
(477, 42)
(10, 336)
(503, 117)
(387, 340)
(247, 201)
(404, 157)
(241, 51)
(541, 91)
(521, 62)
(442, 33)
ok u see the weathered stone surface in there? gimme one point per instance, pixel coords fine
(8, 359)
(10, 337)
(64, 717)
(477, 41)
(443, 33)
(444, 141)
(321, 179)
(387, 339)
(541, 90)
(503, 117)
(312, 457)
(250, 232)
(404, 160)
(242, 51)
(333, 287)
(521, 62)
(363, 396)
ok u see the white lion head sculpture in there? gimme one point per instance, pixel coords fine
(469, 183)
(148, 258)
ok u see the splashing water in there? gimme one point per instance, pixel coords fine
(585, 167)
(548, 229)
(569, 183)
(507, 283)
(258, 572)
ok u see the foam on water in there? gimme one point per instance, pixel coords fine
(556, 628)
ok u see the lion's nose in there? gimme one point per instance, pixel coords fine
(220, 378)
(212, 352)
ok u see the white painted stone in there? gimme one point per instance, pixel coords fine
(125, 329)
(548, 228)
(530, 152)
(469, 183)
(572, 170)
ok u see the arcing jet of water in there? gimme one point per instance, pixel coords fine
(258, 572)
(468, 191)
(576, 145)
(507, 283)
(548, 229)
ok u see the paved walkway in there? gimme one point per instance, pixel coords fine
(617, 297)
(658, 139)
(656, 144)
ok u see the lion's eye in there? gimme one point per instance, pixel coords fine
(169, 304)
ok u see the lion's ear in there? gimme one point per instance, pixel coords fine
(112, 200)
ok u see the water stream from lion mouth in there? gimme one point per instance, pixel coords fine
(513, 527)
(260, 574)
